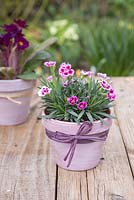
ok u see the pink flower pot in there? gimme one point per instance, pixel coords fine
(15, 96)
(86, 156)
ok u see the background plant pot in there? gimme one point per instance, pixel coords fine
(15, 96)
(87, 155)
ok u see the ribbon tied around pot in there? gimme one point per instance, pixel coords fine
(81, 137)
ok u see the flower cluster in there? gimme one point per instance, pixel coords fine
(12, 44)
(73, 101)
(13, 36)
(106, 86)
(66, 70)
(73, 98)
(16, 59)
(111, 95)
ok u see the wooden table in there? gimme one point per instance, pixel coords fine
(27, 171)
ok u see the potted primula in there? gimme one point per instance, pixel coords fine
(76, 115)
(18, 61)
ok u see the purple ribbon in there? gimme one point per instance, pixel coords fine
(81, 137)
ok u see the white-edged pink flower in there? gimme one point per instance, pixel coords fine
(111, 95)
(66, 70)
(50, 63)
(49, 78)
(87, 73)
(101, 75)
(44, 91)
(105, 85)
(104, 76)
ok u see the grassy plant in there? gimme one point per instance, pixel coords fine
(109, 45)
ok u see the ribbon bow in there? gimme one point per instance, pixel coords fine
(80, 138)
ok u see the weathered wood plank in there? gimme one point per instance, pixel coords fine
(112, 179)
(71, 185)
(26, 168)
(125, 112)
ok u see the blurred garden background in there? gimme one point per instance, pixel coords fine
(94, 34)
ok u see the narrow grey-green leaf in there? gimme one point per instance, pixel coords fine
(81, 114)
(72, 113)
(89, 117)
(106, 115)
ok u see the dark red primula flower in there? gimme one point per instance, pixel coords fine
(21, 23)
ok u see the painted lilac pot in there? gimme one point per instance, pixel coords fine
(15, 96)
(86, 156)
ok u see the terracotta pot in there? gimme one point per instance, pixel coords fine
(15, 96)
(86, 156)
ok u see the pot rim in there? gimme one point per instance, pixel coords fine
(16, 85)
(75, 123)
(15, 80)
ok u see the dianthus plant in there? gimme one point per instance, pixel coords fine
(67, 97)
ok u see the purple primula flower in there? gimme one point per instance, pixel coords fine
(111, 95)
(11, 43)
(65, 70)
(82, 105)
(11, 28)
(72, 100)
(49, 78)
(50, 63)
(21, 23)
(5, 39)
(22, 43)
(105, 85)
(44, 91)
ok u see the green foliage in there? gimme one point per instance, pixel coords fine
(68, 45)
(34, 58)
(109, 45)
(7, 72)
(28, 76)
(89, 90)
(106, 44)
(36, 11)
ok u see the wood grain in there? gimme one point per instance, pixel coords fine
(112, 179)
(72, 185)
(26, 168)
(125, 113)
